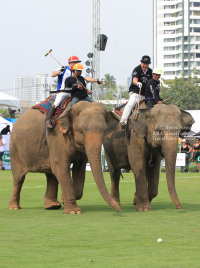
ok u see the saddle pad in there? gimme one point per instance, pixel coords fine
(119, 110)
(45, 106)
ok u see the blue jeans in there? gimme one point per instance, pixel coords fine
(75, 100)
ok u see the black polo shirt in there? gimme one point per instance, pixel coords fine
(153, 90)
(71, 84)
(142, 78)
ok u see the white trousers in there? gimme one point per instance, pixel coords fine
(60, 96)
(129, 106)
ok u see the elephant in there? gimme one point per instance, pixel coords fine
(77, 136)
(116, 152)
(149, 138)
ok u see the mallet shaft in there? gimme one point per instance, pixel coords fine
(56, 60)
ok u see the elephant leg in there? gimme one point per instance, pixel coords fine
(61, 169)
(78, 175)
(141, 197)
(138, 163)
(50, 198)
(153, 179)
(135, 199)
(115, 179)
(135, 195)
(15, 197)
(62, 198)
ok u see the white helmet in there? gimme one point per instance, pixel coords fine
(157, 71)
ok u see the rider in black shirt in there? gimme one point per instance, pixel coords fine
(77, 86)
(152, 89)
(141, 74)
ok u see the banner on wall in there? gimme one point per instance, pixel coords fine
(180, 160)
(6, 156)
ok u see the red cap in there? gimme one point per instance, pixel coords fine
(73, 58)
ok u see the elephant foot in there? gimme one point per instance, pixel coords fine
(72, 210)
(142, 207)
(49, 204)
(14, 206)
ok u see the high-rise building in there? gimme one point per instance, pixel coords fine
(31, 88)
(128, 81)
(177, 37)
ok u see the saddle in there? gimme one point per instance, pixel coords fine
(45, 106)
(118, 111)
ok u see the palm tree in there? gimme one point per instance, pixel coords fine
(55, 82)
(109, 88)
(110, 82)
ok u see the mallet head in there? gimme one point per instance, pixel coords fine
(48, 52)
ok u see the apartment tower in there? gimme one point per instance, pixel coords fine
(176, 39)
(31, 88)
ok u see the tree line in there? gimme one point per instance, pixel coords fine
(185, 92)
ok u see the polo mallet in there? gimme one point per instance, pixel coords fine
(48, 53)
(170, 99)
(138, 104)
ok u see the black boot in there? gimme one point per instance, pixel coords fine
(50, 114)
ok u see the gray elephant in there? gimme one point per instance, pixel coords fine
(153, 136)
(116, 153)
(77, 136)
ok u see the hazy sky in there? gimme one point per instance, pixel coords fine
(29, 28)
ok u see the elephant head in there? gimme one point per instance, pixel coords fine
(85, 125)
(160, 127)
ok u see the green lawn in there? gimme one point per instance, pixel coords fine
(100, 237)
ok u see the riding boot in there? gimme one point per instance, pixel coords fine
(50, 114)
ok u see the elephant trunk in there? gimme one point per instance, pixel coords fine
(170, 152)
(93, 144)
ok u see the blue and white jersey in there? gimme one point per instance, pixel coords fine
(62, 77)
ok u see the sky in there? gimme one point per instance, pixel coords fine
(29, 28)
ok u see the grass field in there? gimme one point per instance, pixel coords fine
(100, 237)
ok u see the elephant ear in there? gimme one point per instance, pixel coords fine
(65, 121)
(139, 125)
(186, 121)
(112, 122)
